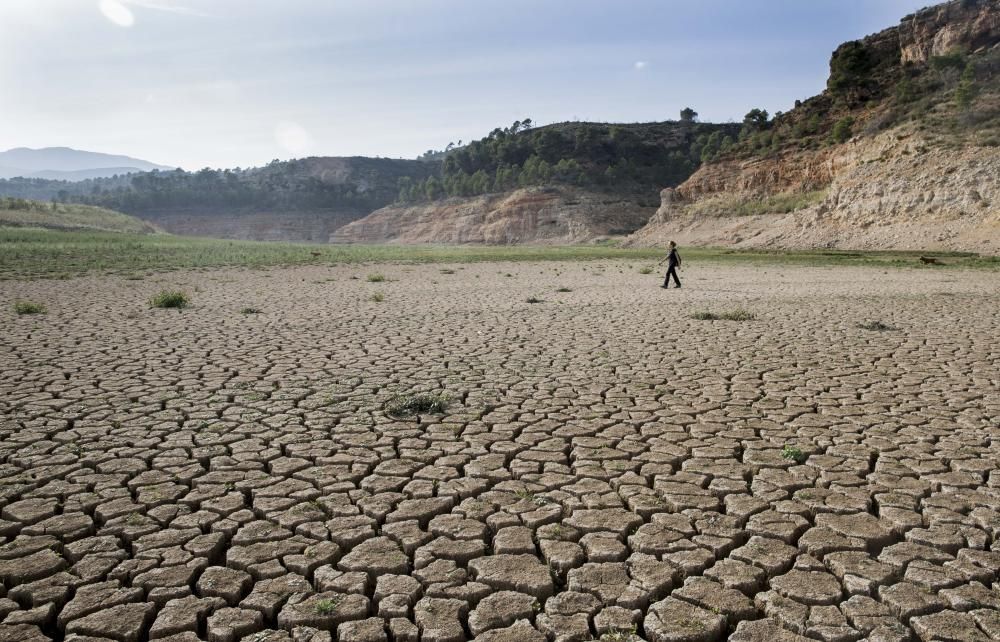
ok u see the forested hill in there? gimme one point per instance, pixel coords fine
(635, 159)
(357, 183)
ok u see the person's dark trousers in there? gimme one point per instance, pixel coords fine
(671, 272)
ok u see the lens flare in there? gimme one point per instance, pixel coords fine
(292, 137)
(117, 13)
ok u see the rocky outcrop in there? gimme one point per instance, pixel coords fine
(789, 172)
(891, 191)
(544, 215)
(964, 25)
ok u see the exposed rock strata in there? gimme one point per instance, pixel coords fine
(548, 215)
(892, 191)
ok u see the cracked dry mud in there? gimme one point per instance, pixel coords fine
(606, 466)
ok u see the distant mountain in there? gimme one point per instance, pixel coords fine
(64, 163)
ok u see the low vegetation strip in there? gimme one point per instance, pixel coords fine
(27, 253)
(19, 212)
(783, 203)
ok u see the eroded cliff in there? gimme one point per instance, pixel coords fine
(919, 172)
(531, 215)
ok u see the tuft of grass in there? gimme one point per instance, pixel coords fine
(170, 299)
(875, 326)
(326, 607)
(249, 310)
(447, 271)
(646, 270)
(564, 289)
(793, 453)
(418, 404)
(737, 314)
(375, 278)
(377, 297)
(28, 307)
(532, 299)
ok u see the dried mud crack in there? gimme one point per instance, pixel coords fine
(453, 463)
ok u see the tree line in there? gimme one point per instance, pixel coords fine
(619, 158)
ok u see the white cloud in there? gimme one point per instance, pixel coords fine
(640, 65)
(292, 137)
(117, 13)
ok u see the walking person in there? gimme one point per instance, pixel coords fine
(673, 262)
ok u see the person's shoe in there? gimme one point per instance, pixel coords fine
(664, 287)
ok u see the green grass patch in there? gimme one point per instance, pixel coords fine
(170, 299)
(32, 253)
(646, 270)
(782, 203)
(375, 278)
(793, 453)
(28, 307)
(418, 404)
(326, 607)
(19, 212)
(377, 297)
(564, 289)
(737, 314)
(249, 310)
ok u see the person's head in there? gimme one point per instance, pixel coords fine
(672, 245)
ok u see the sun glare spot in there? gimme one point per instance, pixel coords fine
(117, 13)
(292, 137)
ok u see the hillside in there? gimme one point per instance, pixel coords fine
(311, 199)
(561, 183)
(549, 215)
(16, 212)
(64, 163)
(902, 150)
(299, 200)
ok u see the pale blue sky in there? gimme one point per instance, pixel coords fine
(226, 83)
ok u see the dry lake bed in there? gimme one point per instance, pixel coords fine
(315, 453)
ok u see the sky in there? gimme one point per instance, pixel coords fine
(237, 83)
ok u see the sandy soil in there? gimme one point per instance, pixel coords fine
(607, 463)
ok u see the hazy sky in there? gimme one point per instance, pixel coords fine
(226, 83)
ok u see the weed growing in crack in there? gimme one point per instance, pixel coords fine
(245, 311)
(375, 278)
(564, 289)
(876, 326)
(532, 299)
(170, 299)
(793, 453)
(737, 314)
(418, 404)
(377, 297)
(326, 607)
(28, 307)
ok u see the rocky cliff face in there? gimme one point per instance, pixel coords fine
(533, 215)
(939, 30)
(890, 191)
(905, 188)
